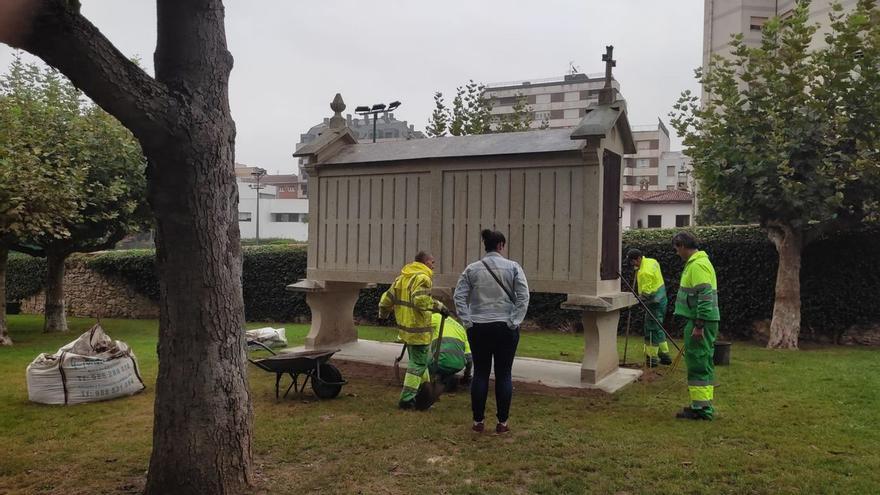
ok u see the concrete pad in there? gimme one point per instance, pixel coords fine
(546, 372)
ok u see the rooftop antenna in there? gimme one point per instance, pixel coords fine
(572, 69)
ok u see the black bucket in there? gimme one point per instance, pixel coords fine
(722, 353)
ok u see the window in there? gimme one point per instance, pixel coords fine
(654, 144)
(287, 217)
(629, 180)
(670, 171)
(630, 162)
(643, 163)
(244, 216)
(682, 220)
(756, 23)
(652, 180)
(654, 221)
(557, 97)
(557, 114)
(643, 145)
(654, 162)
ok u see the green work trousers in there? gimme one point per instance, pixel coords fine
(698, 356)
(416, 371)
(654, 335)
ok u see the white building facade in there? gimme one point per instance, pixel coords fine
(277, 218)
(657, 209)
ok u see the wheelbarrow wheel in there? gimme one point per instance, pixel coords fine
(329, 385)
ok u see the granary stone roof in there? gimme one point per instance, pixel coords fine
(508, 143)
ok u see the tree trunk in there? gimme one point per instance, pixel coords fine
(202, 427)
(202, 431)
(786, 323)
(4, 331)
(55, 317)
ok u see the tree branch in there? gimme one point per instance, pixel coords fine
(66, 40)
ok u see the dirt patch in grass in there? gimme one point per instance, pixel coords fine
(384, 375)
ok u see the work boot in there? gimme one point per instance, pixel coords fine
(406, 404)
(651, 362)
(425, 398)
(665, 359)
(690, 413)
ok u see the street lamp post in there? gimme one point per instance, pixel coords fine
(258, 174)
(375, 110)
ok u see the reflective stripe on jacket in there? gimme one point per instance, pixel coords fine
(698, 291)
(410, 298)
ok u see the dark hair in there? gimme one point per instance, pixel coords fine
(491, 239)
(633, 254)
(422, 256)
(685, 240)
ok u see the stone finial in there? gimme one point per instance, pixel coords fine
(338, 106)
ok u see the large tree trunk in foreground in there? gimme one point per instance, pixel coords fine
(786, 323)
(55, 316)
(202, 429)
(4, 330)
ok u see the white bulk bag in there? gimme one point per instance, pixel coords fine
(92, 368)
(268, 336)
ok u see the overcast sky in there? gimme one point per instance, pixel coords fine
(292, 57)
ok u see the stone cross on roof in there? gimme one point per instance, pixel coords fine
(609, 63)
(608, 94)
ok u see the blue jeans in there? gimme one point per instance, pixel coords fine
(492, 341)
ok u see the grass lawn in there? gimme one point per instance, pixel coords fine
(790, 422)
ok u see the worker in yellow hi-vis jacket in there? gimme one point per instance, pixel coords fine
(652, 291)
(697, 302)
(410, 299)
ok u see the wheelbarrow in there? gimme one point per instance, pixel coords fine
(325, 378)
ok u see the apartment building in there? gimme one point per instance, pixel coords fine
(724, 18)
(561, 101)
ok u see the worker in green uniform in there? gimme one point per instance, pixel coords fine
(697, 302)
(410, 299)
(652, 291)
(455, 352)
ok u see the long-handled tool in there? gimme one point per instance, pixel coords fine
(649, 312)
(626, 340)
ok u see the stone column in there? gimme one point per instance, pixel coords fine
(600, 345)
(600, 315)
(332, 306)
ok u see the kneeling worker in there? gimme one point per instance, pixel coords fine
(652, 291)
(455, 352)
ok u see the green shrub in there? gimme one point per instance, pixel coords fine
(25, 276)
(839, 280)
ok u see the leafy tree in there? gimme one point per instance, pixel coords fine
(203, 423)
(39, 180)
(111, 193)
(521, 119)
(471, 113)
(439, 118)
(790, 137)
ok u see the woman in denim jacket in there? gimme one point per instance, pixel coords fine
(491, 299)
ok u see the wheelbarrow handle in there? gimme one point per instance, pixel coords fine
(264, 346)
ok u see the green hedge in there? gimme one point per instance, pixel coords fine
(25, 276)
(840, 285)
(839, 279)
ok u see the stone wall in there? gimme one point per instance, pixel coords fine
(89, 293)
